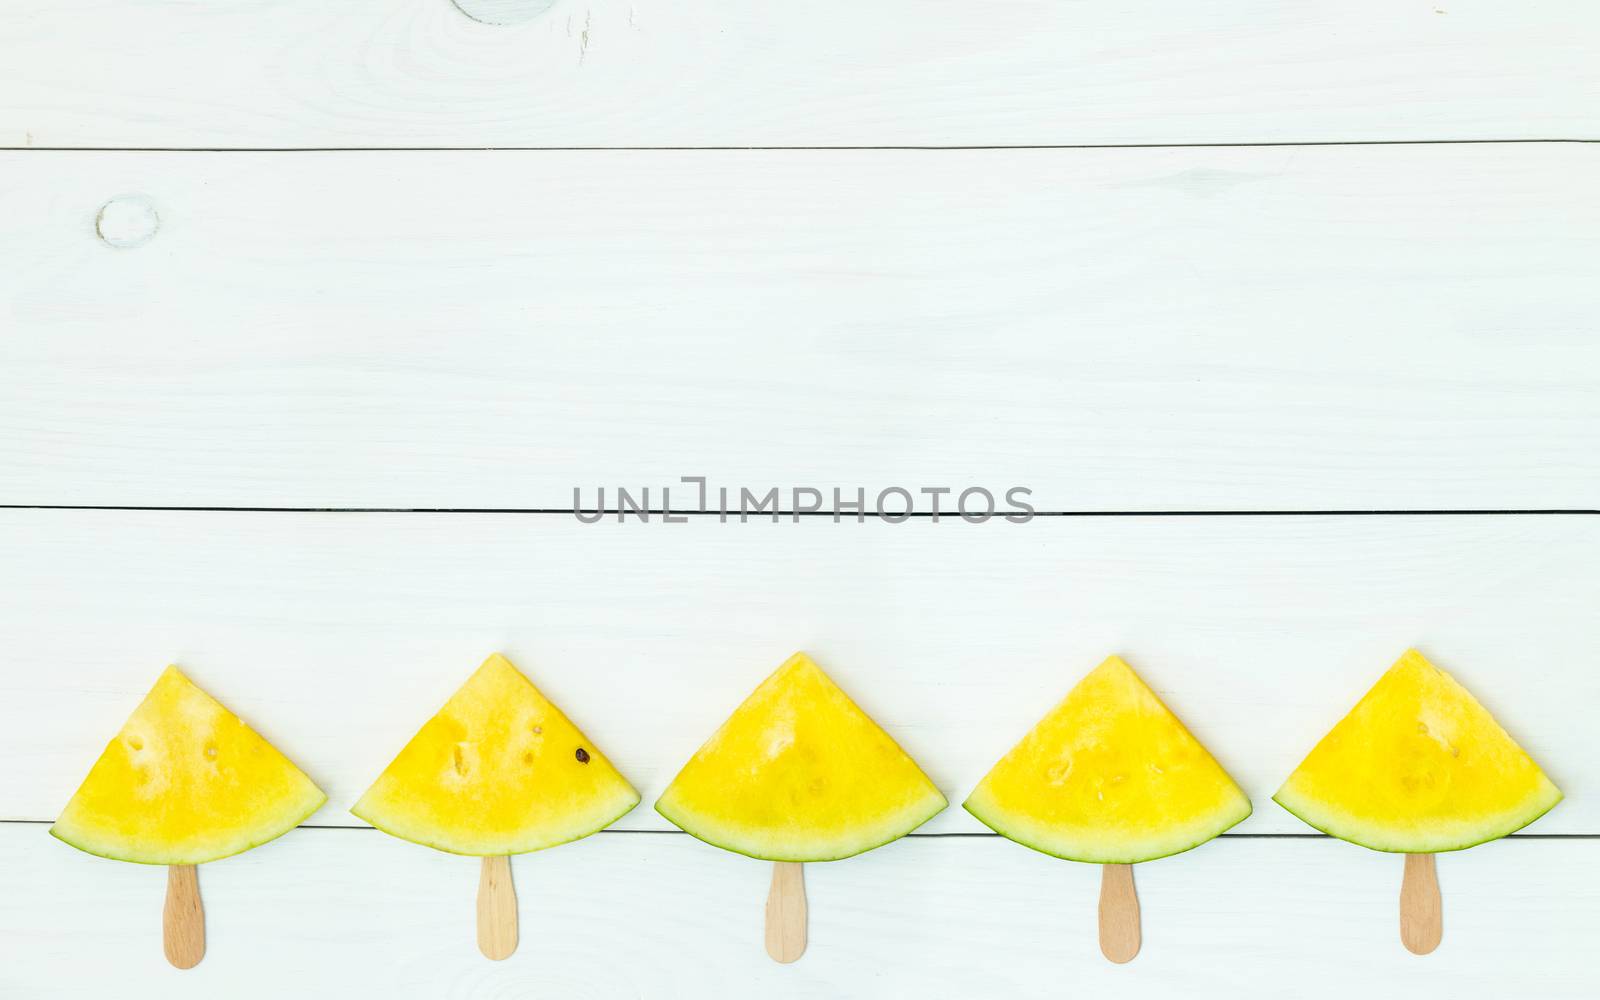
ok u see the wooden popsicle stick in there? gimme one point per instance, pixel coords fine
(183, 918)
(497, 908)
(1119, 913)
(786, 912)
(1421, 912)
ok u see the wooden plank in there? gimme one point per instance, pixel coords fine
(339, 634)
(297, 73)
(356, 913)
(1377, 327)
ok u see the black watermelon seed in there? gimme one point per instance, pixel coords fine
(583, 756)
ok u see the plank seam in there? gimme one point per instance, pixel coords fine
(921, 836)
(842, 515)
(1277, 144)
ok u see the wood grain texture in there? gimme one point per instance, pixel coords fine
(497, 909)
(786, 912)
(332, 633)
(1118, 329)
(183, 918)
(1370, 328)
(721, 72)
(358, 913)
(1421, 911)
(1119, 914)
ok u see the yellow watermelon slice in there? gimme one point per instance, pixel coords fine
(1418, 767)
(799, 773)
(183, 783)
(1109, 776)
(498, 771)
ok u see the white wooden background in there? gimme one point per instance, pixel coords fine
(1148, 259)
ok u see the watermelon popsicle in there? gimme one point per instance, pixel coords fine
(1110, 777)
(498, 771)
(184, 783)
(1418, 767)
(798, 773)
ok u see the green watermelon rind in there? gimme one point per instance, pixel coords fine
(588, 830)
(1211, 832)
(1493, 831)
(90, 845)
(907, 820)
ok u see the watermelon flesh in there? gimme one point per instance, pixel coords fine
(1109, 776)
(800, 773)
(185, 782)
(1418, 767)
(499, 770)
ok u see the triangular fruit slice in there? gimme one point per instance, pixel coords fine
(498, 771)
(1418, 767)
(799, 773)
(1110, 776)
(183, 783)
